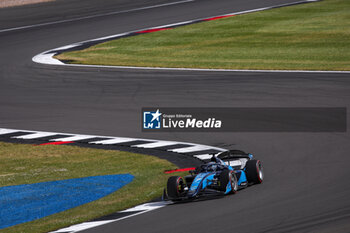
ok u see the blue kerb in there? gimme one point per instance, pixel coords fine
(24, 203)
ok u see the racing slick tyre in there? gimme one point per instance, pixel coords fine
(254, 171)
(175, 187)
(234, 183)
(227, 176)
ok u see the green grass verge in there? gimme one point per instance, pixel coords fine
(313, 36)
(26, 164)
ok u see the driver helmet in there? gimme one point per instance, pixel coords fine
(212, 166)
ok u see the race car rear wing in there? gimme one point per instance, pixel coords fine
(234, 154)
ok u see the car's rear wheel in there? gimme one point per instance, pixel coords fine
(254, 171)
(175, 187)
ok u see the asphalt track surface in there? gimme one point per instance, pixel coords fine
(306, 186)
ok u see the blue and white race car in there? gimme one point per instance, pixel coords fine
(226, 173)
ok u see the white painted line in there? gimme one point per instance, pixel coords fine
(177, 24)
(47, 59)
(72, 138)
(108, 37)
(156, 144)
(208, 70)
(76, 137)
(35, 135)
(142, 208)
(113, 141)
(68, 46)
(147, 206)
(172, 24)
(93, 16)
(194, 148)
(7, 131)
(82, 226)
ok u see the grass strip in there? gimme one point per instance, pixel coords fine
(27, 164)
(313, 36)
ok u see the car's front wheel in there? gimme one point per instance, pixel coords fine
(175, 187)
(234, 183)
(228, 178)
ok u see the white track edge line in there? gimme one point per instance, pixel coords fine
(110, 137)
(88, 225)
(204, 69)
(47, 57)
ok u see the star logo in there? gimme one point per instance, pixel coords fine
(151, 119)
(156, 115)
